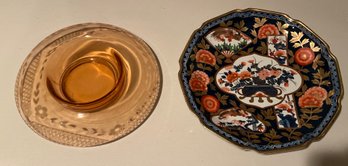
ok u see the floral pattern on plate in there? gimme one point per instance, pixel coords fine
(258, 80)
(279, 74)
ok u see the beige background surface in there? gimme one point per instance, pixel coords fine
(172, 135)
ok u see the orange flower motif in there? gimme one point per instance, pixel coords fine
(317, 92)
(200, 75)
(205, 56)
(304, 56)
(267, 30)
(264, 73)
(313, 97)
(199, 81)
(244, 75)
(307, 101)
(197, 85)
(231, 77)
(210, 103)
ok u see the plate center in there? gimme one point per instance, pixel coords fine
(89, 82)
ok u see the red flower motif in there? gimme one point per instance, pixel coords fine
(200, 75)
(205, 56)
(264, 73)
(304, 56)
(267, 30)
(197, 85)
(231, 77)
(210, 103)
(199, 81)
(317, 92)
(307, 101)
(243, 63)
(244, 75)
(313, 97)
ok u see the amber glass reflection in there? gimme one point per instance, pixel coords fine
(92, 76)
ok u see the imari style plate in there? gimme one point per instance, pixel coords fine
(261, 80)
(88, 84)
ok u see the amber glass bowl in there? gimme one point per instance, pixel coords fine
(88, 84)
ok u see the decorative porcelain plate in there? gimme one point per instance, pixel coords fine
(88, 84)
(261, 80)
